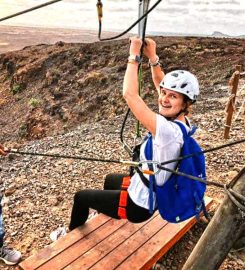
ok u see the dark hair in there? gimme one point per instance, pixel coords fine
(188, 103)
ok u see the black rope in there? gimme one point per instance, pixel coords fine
(202, 180)
(125, 145)
(132, 26)
(14, 151)
(142, 36)
(62, 156)
(233, 195)
(203, 152)
(29, 9)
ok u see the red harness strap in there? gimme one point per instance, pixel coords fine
(123, 198)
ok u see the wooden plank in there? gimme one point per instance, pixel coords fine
(72, 252)
(36, 260)
(129, 246)
(105, 243)
(159, 244)
(231, 101)
(108, 245)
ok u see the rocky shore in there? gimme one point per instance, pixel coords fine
(66, 99)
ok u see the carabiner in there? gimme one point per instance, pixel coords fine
(149, 172)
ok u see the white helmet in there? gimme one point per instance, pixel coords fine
(183, 82)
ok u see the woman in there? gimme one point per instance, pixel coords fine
(125, 197)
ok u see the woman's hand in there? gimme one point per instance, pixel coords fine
(135, 46)
(2, 152)
(150, 50)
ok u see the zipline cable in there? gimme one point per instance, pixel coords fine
(203, 152)
(233, 195)
(131, 163)
(29, 9)
(127, 30)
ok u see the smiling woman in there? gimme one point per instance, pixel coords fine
(127, 196)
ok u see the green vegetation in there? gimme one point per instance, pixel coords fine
(16, 89)
(33, 102)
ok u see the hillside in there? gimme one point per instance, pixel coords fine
(66, 98)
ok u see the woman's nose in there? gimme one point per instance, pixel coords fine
(165, 98)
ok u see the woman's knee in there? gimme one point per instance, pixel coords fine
(107, 182)
(113, 181)
(81, 196)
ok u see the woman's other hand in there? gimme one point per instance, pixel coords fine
(150, 50)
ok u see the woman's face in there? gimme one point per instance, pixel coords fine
(170, 102)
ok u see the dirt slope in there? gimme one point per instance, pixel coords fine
(66, 98)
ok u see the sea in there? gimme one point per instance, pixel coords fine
(170, 17)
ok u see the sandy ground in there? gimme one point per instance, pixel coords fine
(15, 37)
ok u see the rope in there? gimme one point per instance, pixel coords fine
(233, 195)
(127, 30)
(203, 152)
(199, 179)
(29, 9)
(15, 151)
(143, 10)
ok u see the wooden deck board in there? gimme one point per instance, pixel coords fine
(158, 244)
(99, 254)
(54, 249)
(105, 243)
(85, 244)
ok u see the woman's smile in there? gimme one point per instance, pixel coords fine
(170, 102)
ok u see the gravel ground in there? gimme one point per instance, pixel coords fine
(39, 190)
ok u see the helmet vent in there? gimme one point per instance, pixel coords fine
(173, 86)
(175, 74)
(183, 85)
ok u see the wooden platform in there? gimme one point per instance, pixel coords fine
(105, 243)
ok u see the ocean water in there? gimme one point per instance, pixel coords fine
(181, 17)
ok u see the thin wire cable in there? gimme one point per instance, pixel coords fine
(132, 26)
(14, 151)
(29, 10)
(203, 152)
(62, 156)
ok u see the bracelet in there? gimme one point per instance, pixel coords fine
(130, 61)
(154, 64)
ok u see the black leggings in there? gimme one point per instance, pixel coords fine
(105, 201)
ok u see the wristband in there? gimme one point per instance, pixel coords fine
(134, 58)
(156, 63)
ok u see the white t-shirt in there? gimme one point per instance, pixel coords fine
(166, 146)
